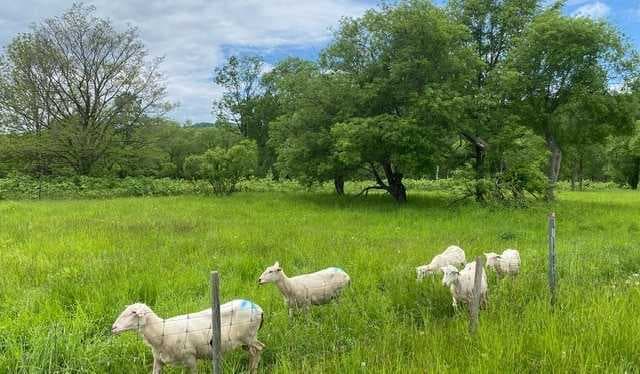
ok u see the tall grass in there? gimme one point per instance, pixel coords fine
(67, 268)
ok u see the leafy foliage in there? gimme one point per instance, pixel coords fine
(223, 168)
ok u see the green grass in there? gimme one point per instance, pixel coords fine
(67, 268)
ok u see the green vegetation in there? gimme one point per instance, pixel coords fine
(69, 267)
(499, 94)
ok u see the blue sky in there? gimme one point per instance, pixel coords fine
(195, 36)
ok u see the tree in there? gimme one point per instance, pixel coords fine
(388, 142)
(312, 101)
(558, 78)
(494, 25)
(624, 154)
(77, 75)
(244, 103)
(401, 60)
(224, 168)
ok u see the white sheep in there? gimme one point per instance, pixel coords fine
(507, 263)
(461, 283)
(303, 290)
(183, 339)
(453, 255)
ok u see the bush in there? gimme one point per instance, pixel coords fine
(589, 185)
(24, 187)
(224, 168)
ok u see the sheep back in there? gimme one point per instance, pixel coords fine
(508, 262)
(319, 287)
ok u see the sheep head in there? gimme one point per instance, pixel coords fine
(132, 318)
(450, 276)
(271, 274)
(492, 259)
(423, 271)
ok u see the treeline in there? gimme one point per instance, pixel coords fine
(508, 96)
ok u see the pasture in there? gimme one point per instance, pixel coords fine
(67, 269)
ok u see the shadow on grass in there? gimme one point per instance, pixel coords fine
(378, 202)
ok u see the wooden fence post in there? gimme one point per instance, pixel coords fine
(474, 307)
(553, 277)
(215, 323)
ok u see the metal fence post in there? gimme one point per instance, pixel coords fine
(553, 277)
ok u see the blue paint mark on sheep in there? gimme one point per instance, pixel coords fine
(337, 269)
(246, 304)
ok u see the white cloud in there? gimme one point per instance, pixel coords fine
(593, 10)
(194, 35)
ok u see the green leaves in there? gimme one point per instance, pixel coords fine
(224, 168)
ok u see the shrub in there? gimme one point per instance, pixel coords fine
(224, 168)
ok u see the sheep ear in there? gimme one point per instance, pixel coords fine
(277, 264)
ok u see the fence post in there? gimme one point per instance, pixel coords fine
(474, 307)
(553, 277)
(215, 323)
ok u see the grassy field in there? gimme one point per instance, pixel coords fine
(67, 268)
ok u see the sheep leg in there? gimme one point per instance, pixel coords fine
(255, 353)
(483, 302)
(191, 364)
(157, 365)
(455, 304)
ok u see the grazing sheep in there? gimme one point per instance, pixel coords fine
(461, 283)
(453, 255)
(303, 290)
(182, 340)
(508, 263)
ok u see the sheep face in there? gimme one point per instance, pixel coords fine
(271, 274)
(423, 271)
(450, 275)
(131, 318)
(492, 259)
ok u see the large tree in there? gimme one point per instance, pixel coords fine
(494, 26)
(401, 59)
(245, 104)
(79, 79)
(558, 77)
(312, 101)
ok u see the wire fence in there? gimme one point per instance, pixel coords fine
(195, 330)
(236, 317)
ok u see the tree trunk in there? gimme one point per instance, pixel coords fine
(574, 176)
(555, 158)
(581, 172)
(479, 152)
(634, 178)
(394, 179)
(338, 182)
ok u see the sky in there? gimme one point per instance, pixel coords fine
(196, 36)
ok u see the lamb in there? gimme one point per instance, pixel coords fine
(304, 290)
(507, 263)
(183, 339)
(461, 283)
(453, 255)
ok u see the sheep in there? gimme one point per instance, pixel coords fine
(304, 290)
(183, 339)
(461, 283)
(453, 255)
(507, 263)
